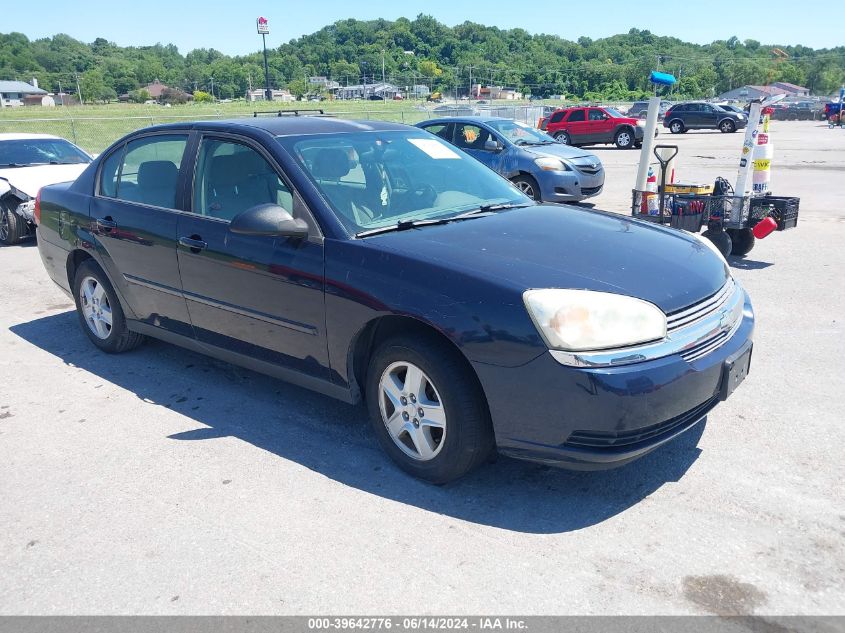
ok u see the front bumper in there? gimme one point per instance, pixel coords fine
(569, 186)
(595, 418)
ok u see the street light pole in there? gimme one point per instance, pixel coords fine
(263, 28)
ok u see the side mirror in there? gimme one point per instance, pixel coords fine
(492, 145)
(269, 220)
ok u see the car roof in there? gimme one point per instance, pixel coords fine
(286, 125)
(464, 119)
(15, 136)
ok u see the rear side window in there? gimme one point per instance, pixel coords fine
(443, 130)
(109, 173)
(149, 171)
(557, 117)
(575, 115)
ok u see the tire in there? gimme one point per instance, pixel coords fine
(563, 137)
(721, 239)
(95, 301)
(13, 227)
(450, 389)
(742, 241)
(677, 127)
(624, 138)
(528, 186)
(727, 126)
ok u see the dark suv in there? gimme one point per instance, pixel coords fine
(702, 116)
(640, 110)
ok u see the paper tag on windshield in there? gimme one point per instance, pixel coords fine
(433, 148)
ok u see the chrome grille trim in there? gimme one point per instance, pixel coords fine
(702, 309)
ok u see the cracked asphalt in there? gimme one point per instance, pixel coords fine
(163, 482)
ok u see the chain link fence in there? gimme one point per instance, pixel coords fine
(94, 134)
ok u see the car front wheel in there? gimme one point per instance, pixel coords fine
(624, 139)
(100, 314)
(12, 227)
(528, 186)
(427, 408)
(727, 126)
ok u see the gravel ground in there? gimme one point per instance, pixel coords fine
(162, 482)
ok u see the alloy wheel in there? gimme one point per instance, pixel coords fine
(96, 308)
(623, 140)
(526, 188)
(4, 225)
(412, 411)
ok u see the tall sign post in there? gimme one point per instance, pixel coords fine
(263, 30)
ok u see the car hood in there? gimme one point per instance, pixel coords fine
(549, 246)
(31, 179)
(559, 150)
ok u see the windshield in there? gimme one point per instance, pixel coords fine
(614, 113)
(520, 134)
(41, 151)
(378, 179)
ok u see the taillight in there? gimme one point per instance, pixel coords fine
(37, 211)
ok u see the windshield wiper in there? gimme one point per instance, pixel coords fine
(405, 225)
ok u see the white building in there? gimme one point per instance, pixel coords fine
(13, 93)
(278, 95)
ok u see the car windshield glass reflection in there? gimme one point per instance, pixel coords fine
(375, 180)
(520, 134)
(41, 151)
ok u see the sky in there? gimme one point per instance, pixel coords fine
(229, 26)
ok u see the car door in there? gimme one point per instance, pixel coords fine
(254, 295)
(600, 126)
(473, 138)
(695, 116)
(709, 116)
(134, 213)
(577, 126)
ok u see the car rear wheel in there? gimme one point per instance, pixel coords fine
(12, 227)
(742, 241)
(528, 186)
(100, 314)
(624, 139)
(727, 126)
(720, 239)
(563, 137)
(676, 127)
(427, 408)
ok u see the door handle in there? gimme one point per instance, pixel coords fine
(194, 243)
(106, 224)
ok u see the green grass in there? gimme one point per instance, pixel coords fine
(95, 127)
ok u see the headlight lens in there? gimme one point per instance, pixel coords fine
(641, 122)
(740, 116)
(549, 163)
(581, 320)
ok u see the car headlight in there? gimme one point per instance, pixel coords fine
(641, 122)
(581, 320)
(549, 163)
(740, 116)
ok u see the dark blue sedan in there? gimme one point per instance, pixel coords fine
(374, 261)
(543, 168)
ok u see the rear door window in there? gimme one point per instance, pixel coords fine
(149, 171)
(575, 116)
(557, 117)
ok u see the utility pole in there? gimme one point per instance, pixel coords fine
(456, 84)
(78, 89)
(470, 82)
(61, 98)
(212, 86)
(263, 28)
(383, 91)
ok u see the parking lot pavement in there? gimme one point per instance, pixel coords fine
(162, 482)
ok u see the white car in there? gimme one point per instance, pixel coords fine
(27, 163)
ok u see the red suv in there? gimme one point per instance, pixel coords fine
(594, 126)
